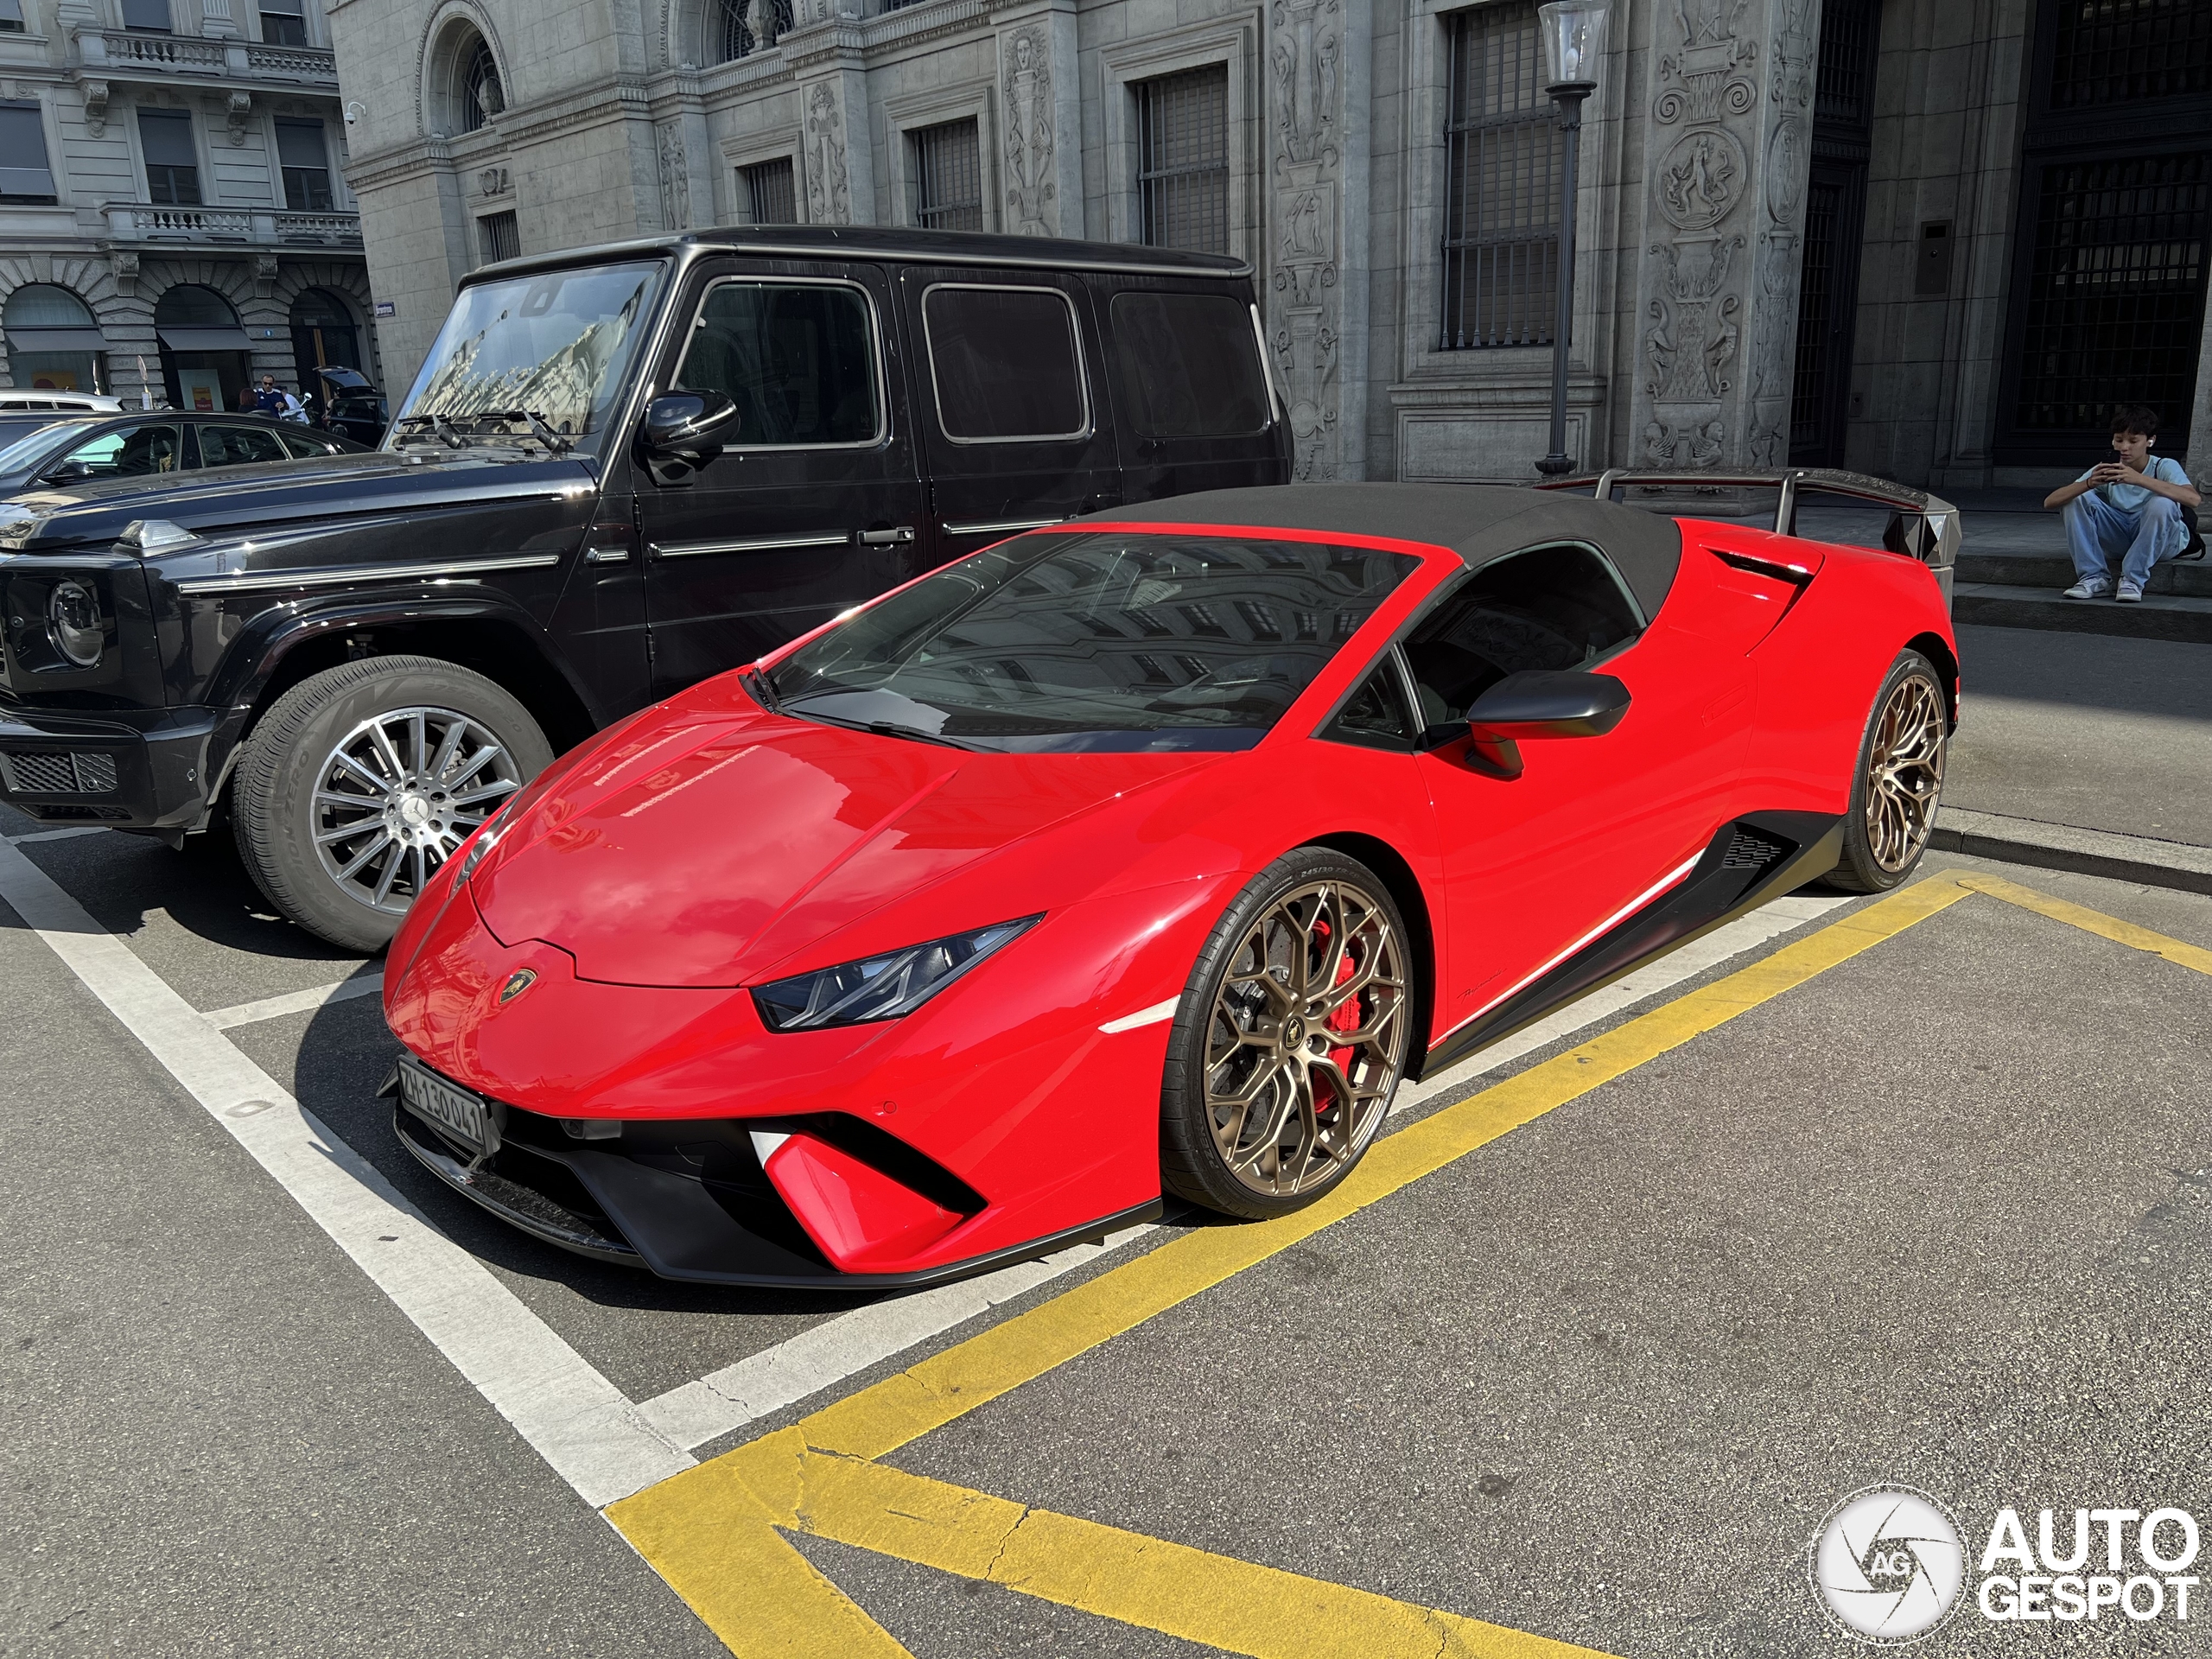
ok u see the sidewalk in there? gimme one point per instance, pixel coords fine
(2085, 751)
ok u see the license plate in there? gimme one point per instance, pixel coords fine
(456, 1111)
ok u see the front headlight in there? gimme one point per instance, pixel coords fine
(73, 617)
(878, 988)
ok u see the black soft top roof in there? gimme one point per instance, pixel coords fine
(1478, 522)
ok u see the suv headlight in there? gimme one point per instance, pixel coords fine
(878, 988)
(73, 617)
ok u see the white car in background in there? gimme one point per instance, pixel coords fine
(65, 402)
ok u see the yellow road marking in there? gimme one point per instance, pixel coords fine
(2089, 921)
(711, 1532)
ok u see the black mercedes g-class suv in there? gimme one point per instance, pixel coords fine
(620, 470)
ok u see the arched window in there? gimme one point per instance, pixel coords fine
(482, 97)
(204, 352)
(736, 29)
(53, 344)
(324, 336)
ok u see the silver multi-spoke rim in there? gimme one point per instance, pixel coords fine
(1305, 1038)
(398, 793)
(1904, 774)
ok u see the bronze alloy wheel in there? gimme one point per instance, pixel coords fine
(1905, 772)
(1305, 1038)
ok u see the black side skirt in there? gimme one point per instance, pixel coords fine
(1750, 860)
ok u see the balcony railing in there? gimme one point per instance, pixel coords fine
(117, 52)
(136, 222)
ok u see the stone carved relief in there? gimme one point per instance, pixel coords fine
(1303, 49)
(828, 197)
(1672, 447)
(1704, 76)
(1699, 178)
(1778, 268)
(237, 112)
(675, 178)
(1689, 352)
(1788, 169)
(1791, 83)
(1030, 191)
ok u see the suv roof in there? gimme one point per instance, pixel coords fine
(852, 241)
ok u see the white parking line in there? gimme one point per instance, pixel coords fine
(275, 1007)
(592, 1434)
(577, 1421)
(62, 834)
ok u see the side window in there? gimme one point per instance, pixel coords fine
(1189, 366)
(797, 359)
(1006, 363)
(302, 446)
(233, 446)
(1375, 716)
(1546, 607)
(130, 453)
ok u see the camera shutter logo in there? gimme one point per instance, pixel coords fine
(1888, 1565)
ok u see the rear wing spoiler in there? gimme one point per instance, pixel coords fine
(1922, 526)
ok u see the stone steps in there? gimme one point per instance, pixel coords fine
(2192, 580)
(2185, 617)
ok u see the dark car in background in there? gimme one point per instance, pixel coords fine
(84, 449)
(353, 407)
(620, 470)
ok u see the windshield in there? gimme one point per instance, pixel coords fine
(25, 451)
(557, 345)
(1060, 641)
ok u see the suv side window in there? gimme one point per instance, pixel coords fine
(1545, 607)
(132, 452)
(1006, 363)
(302, 446)
(797, 359)
(234, 446)
(1189, 366)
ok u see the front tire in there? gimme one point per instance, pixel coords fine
(1899, 782)
(1289, 1039)
(359, 781)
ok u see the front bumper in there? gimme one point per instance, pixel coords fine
(688, 1200)
(135, 769)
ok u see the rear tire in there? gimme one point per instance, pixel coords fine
(1289, 1039)
(1899, 781)
(358, 782)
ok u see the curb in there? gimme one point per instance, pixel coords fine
(2172, 864)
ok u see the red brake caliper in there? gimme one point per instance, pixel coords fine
(1346, 1018)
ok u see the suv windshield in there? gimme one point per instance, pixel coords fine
(1061, 641)
(557, 345)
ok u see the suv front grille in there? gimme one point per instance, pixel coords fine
(54, 771)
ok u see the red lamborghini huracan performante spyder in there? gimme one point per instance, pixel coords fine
(1143, 855)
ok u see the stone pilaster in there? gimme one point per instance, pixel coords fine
(1729, 154)
(836, 165)
(1313, 241)
(1040, 114)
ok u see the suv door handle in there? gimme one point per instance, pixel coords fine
(892, 538)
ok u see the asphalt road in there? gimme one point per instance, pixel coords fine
(1941, 1216)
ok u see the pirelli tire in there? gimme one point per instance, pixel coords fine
(359, 781)
(1289, 1040)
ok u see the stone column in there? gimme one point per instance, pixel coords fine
(837, 168)
(1729, 154)
(1040, 113)
(1313, 239)
(2198, 464)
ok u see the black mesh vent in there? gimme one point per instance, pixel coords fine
(1751, 851)
(50, 772)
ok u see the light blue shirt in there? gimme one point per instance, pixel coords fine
(2130, 498)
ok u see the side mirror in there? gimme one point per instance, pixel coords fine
(69, 471)
(1534, 703)
(684, 430)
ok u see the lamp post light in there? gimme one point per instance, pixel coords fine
(1573, 33)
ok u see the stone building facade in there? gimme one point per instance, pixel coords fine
(174, 220)
(1873, 232)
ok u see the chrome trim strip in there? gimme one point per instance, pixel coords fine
(251, 581)
(881, 380)
(756, 544)
(1083, 433)
(1002, 527)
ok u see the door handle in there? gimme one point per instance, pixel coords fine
(894, 536)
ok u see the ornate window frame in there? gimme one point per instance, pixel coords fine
(784, 141)
(1232, 42)
(907, 112)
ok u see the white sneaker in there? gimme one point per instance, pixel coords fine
(2092, 588)
(2129, 594)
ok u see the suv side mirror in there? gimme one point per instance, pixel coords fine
(68, 472)
(1534, 703)
(684, 430)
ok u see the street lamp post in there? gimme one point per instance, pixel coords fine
(1574, 42)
